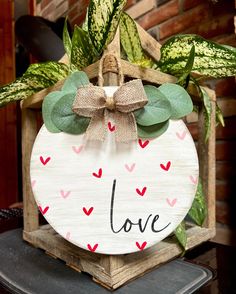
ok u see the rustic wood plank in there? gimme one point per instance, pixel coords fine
(29, 132)
(149, 44)
(206, 152)
(135, 264)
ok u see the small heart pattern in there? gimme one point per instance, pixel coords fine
(92, 248)
(43, 210)
(65, 194)
(141, 246)
(68, 236)
(111, 127)
(166, 166)
(171, 202)
(193, 179)
(143, 144)
(44, 161)
(130, 168)
(182, 135)
(141, 192)
(33, 183)
(99, 174)
(88, 211)
(77, 149)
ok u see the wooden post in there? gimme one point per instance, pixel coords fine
(29, 132)
(206, 152)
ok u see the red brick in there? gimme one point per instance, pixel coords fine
(225, 170)
(187, 4)
(130, 3)
(212, 28)
(223, 213)
(72, 2)
(225, 150)
(225, 190)
(227, 39)
(79, 19)
(160, 14)
(180, 23)
(227, 132)
(193, 128)
(225, 87)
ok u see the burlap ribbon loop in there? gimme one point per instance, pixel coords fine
(92, 101)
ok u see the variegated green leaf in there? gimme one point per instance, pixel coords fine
(185, 76)
(82, 52)
(198, 210)
(37, 77)
(219, 116)
(180, 234)
(211, 59)
(131, 42)
(207, 112)
(67, 40)
(103, 19)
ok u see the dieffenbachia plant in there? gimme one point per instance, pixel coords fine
(183, 56)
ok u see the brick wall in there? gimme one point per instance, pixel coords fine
(163, 18)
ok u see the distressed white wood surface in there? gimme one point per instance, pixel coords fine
(156, 181)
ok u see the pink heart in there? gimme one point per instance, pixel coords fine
(193, 179)
(33, 182)
(68, 235)
(44, 161)
(87, 212)
(141, 246)
(165, 167)
(92, 249)
(141, 193)
(111, 127)
(182, 135)
(43, 210)
(99, 174)
(171, 202)
(130, 168)
(78, 149)
(65, 194)
(143, 144)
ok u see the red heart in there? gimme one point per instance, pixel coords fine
(143, 144)
(165, 167)
(99, 174)
(141, 193)
(92, 249)
(111, 127)
(87, 212)
(43, 210)
(44, 161)
(142, 246)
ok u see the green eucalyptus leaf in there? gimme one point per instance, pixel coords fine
(180, 234)
(65, 119)
(82, 52)
(181, 102)
(157, 110)
(131, 43)
(48, 103)
(207, 112)
(36, 78)
(153, 131)
(211, 59)
(103, 20)
(67, 40)
(198, 210)
(74, 81)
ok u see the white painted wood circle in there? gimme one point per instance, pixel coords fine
(154, 183)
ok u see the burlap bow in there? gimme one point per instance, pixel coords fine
(92, 101)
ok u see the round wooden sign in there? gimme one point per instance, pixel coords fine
(114, 198)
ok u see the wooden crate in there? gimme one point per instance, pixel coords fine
(112, 271)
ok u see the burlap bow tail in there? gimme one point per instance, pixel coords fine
(92, 101)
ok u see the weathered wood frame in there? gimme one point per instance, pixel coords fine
(114, 271)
